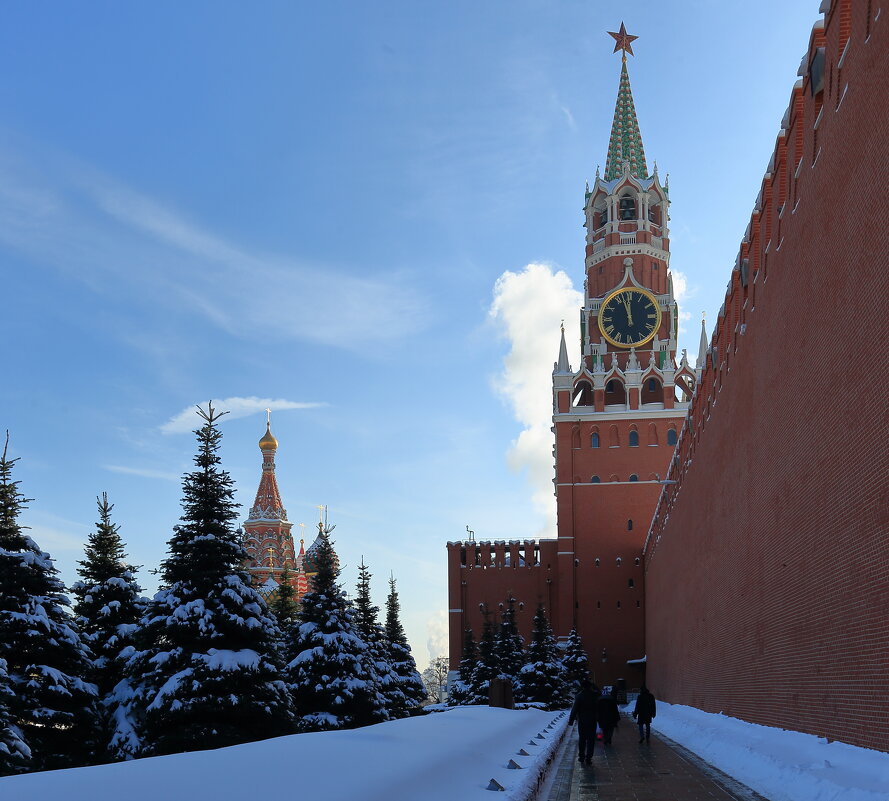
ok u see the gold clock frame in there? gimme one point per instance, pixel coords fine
(621, 291)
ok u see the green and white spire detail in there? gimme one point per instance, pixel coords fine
(625, 144)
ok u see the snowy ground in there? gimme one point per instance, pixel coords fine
(781, 765)
(440, 757)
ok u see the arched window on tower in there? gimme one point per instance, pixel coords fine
(671, 436)
(629, 525)
(633, 439)
(613, 437)
(652, 392)
(583, 394)
(595, 480)
(628, 207)
(594, 439)
(615, 392)
(652, 434)
(634, 477)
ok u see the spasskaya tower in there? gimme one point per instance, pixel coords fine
(616, 419)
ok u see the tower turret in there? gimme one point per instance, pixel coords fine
(267, 531)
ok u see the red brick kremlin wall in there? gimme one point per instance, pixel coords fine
(767, 565)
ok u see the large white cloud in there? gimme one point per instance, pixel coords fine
(187, 419)
(527, 309)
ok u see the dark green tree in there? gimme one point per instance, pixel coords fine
(107, 609)
(542, 677)
(487, 666)
(15, 756)
(284, 604)
(400, 657)
(377, 660)
(509, 647)
(208, 672)
(577, 666)
(461, 690)
(51, 703)
(328, 657)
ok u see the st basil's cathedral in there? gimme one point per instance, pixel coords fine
(268, 537)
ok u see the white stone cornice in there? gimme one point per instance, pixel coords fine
(575, 415)
(642, 249)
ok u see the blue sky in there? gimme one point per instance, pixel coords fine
(312, 204)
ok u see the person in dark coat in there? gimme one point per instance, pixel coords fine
(607, 715)
(584, 712)
(644, 711)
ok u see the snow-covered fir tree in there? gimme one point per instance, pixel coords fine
(487, 666)
(400, 656)
(369, 629)
(577, 666)
(461, 689)
(284, 605)
(326, 672)
(542, 677)
(52, 705)
(509, 648)
(107, 609)
(208, 673)
(15, 756)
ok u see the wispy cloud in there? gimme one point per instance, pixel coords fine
(527, 309)
(122, 242)
(141, 471)
(187, 419)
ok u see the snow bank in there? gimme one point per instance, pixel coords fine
(442, 757)
(781, 765)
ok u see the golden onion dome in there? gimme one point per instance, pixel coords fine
(268, 442)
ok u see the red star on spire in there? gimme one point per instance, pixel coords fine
(623, 40)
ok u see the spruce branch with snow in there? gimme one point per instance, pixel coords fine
(400, 656)
(107, 609)
(575, 661)
(207, 672)
(51, 704)
(509, 648)
(461, 690)
(328, 657)
(542, 677)
(377, 661)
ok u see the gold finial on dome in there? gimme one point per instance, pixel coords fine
(268, 442)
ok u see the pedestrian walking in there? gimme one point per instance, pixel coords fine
(607, 715)
(644, 712)
(584, 712)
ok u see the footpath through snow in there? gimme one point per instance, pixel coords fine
(781, 765)
(448, 756)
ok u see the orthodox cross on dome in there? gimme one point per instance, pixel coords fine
(625, 144)
(623, 41)
(268, 417)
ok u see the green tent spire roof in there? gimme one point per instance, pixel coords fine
(625, 144)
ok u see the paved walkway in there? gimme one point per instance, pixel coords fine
(659, 770)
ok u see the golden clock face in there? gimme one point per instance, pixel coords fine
(629, 317)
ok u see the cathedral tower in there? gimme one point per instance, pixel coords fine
(267, 535)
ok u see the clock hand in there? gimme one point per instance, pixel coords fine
(629, 313)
